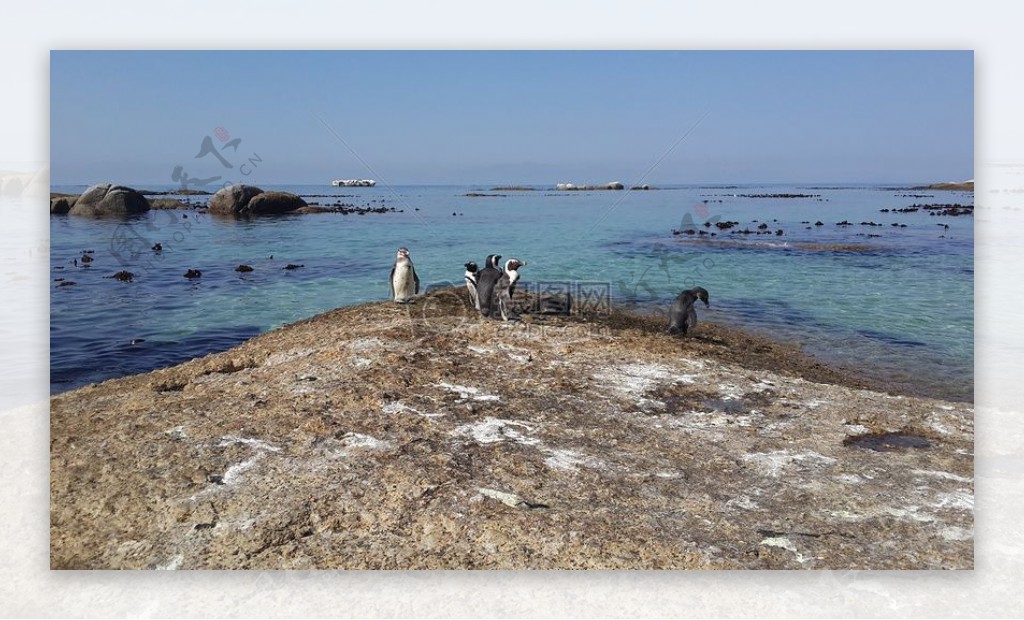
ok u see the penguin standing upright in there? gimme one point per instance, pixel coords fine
(471, 271)
(404, 281)
(486, 278)
(683, 317)
(505, 286)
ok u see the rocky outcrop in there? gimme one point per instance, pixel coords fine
(105, 199)
(960, 186)
(167, 203)
(245, 200)
(367, 437)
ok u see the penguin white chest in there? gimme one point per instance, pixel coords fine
(403, 281)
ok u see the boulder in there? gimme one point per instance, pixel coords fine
(274, 202)
(62, 204)
(106, 199)
(233, 199)
(249, 200)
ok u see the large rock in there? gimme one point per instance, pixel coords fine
(249, 200)
(632, 449)
(106, 199)
(275, 202)
(233, 199)
(60, 205)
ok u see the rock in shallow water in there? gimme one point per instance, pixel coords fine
(106, 199)
(245, 200)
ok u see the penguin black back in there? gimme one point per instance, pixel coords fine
(486, 278)
(683, 316)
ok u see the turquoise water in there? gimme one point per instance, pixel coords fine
(898, 306)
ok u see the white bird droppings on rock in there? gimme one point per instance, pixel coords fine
(362, 344)
(505, 498)
(782, 542)
(945, 475)
(358, 441)
(172, 564)
(255, 444)
(564, 459)
(494, 430)
(958, 500)
(773, 463)
(957, 533)
(469, 393)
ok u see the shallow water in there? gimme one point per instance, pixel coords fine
(898, 306)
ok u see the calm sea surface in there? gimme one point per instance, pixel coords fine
(897, 304)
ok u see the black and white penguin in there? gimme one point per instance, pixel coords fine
(683, 317)
(506, 286)
(404, 281)
(471, 271)
(486, 278)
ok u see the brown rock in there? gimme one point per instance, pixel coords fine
(246, 200)
(233, 199)
(62, 204)
(106, 199)
(269, 203)
(613, 445)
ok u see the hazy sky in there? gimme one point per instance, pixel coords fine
(513, 117)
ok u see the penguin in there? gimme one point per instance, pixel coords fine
(471, 271)
(403, 281)
(486, 278)
(683, 317)
(506, 286)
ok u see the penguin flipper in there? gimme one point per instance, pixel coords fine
(691, 318)
(391, 282)
(415, 279)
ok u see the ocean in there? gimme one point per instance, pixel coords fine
(893, 300)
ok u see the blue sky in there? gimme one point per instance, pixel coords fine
(514, 117)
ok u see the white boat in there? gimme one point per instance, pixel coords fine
(353, 182)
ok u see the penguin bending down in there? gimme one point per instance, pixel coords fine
(404, 281)
(471, 271)
(486, 278)
(505, 286)
(683, 317)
